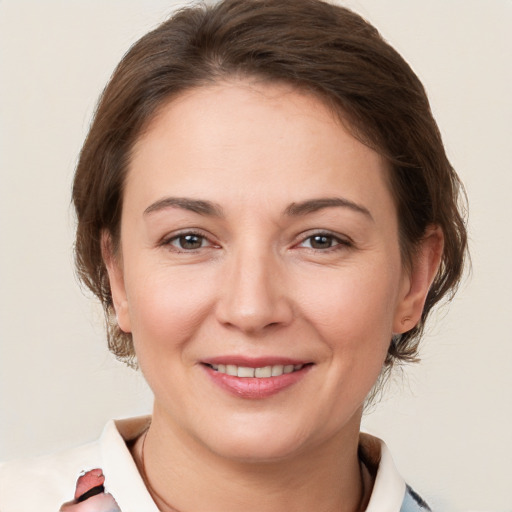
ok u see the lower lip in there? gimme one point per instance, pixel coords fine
(256, 388)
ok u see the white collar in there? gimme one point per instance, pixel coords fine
(123, 479)
(126, 484)
(389, 487)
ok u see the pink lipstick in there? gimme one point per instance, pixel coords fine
(255, 378)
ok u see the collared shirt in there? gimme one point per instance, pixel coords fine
(45, 483)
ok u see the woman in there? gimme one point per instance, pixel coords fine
(267, 214)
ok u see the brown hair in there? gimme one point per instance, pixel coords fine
(316, 46)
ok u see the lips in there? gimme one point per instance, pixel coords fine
(255, 378)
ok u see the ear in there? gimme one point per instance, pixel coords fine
(114, 265)
(418, 279)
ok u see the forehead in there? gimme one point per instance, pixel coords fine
(286, 143)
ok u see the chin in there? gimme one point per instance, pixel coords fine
(258, 448)
(265, 439)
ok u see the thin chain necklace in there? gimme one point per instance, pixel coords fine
(170, 508)
(151, 490)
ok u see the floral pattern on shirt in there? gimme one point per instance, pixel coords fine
(413, 502)
(90, 495)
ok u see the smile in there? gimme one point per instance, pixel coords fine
(259, 380)
(263, 372)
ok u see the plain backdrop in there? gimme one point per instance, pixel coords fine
(448, 420)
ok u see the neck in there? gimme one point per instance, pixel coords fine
(182, 475)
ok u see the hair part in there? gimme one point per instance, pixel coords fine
(318, 47)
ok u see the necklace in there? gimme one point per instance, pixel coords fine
(170, 508)
(151, 490)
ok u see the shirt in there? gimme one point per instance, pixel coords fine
(45, 483)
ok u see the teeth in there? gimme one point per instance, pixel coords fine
(266, 371)
(243, 371)
(260, 373)
(231, 369)
(277, 370)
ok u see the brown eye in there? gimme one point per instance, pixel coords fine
(324, 241)
(320, 241)
(188, 242)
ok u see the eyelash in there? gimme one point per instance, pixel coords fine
(338, 242)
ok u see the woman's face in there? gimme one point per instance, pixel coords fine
(258, 239)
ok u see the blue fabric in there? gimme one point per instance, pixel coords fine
(413, 502)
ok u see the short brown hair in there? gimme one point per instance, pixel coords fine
(318, 47)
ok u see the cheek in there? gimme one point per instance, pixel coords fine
(353, 313)
(352, 316)
(166, 308)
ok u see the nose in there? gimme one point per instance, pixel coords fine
(255, 296)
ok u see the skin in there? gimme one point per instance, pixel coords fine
(258, 285)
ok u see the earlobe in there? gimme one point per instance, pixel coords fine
(114, 266)
(425, 265)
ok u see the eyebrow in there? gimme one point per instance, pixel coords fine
(314, 205)
(194, 205)
(209, 208)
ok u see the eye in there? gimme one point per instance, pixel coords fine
(323, 241)
(188, 242)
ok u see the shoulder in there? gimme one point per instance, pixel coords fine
(44, 483)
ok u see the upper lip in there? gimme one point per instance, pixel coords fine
(253, 362)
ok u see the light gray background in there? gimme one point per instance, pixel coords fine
(448, 423)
